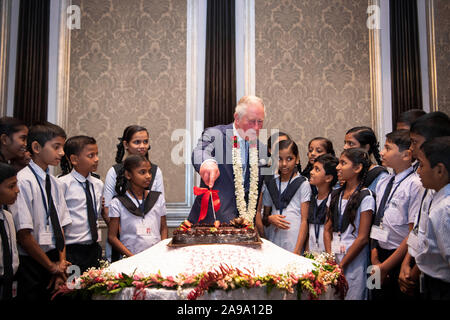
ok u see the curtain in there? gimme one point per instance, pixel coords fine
(405, 57)
(31, 87)
(220, 70)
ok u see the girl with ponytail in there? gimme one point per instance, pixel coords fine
(364, 138)
(134, 141)
(349, 218)
(138, 212)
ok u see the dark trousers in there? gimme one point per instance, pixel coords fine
(435, 289)
(33, 278)
(390, 289)
(84, 255)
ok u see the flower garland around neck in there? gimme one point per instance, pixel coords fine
(246, 211)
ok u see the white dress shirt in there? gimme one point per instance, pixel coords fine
(73, 186)
(11, 233)
(29, 211)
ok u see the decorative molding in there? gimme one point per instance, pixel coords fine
(249, 48)
(376, 83)
(4, 45)
(432, 74)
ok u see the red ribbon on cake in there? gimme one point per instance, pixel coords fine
(207, 193)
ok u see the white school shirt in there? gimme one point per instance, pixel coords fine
(73, 186)
(11, 233)
(434, 260)
(109, 190)
(129, 224)
(356, 270)
(29, 210)
(373, 186)
(422, 224)
(287, 239)
(350, 234)
(402, 207)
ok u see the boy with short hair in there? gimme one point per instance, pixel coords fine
(434, 259)
(397, 205)
(39, 214)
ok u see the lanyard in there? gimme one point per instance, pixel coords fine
(416, 227)
(83, 185)
(6, 223)
(279, 191)
(392, 194)
(341, 214)
(317, 209)
(42, 192)
(140, 204)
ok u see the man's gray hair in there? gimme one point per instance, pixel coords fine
(245, 101)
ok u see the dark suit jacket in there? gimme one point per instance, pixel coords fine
(216, 143)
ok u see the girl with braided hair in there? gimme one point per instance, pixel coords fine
(364, 138)
(349, 219)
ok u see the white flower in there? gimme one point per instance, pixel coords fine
(246, 211)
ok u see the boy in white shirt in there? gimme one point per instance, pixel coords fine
(83, 194)
(40, 213)
(434, 259)
(397, 205)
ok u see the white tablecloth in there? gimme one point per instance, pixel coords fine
(257, 260)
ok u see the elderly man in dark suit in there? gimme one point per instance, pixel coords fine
(212, 159)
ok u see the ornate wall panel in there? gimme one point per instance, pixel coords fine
(312, 67)
(128, 66)
(442, 42)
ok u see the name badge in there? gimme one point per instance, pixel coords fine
(313, 245)
(413, 241)
(337, 247)
(379, 234)
(46, 237)
(143, 230)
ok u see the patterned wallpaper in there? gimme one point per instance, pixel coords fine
(312, 67)
(128, 66)
(442, 39)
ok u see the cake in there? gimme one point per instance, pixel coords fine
(238, 231)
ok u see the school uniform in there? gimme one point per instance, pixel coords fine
(109, 192)
(82, 247)
(398, 202)
(434, 260)
(420, 223)
(343, 237)
(316, 220)
(31, 211)
(139, 231)
(381, 173)
(9, 256)
(287, 239)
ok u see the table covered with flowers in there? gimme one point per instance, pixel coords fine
(217, 272)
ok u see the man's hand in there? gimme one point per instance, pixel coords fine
(209, 171)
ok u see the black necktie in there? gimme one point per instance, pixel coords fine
(91, 213)
(54, 216)
(380, 209)
(7, 263)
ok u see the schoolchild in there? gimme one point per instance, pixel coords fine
(9, 257)
(364, 137)
(349, 217)
(40, 213)
(286, 201)
(316, 147)
(13, 139)
(433, 260)
(405, 119)
(83, 194)
(323, 176)
(140, 213)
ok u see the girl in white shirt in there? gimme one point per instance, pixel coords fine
(140, 213)
(350, 210)
(286, 201)
(323, 176)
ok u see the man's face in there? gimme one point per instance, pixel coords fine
(251, 122)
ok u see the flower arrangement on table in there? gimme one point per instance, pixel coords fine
(327, 274)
